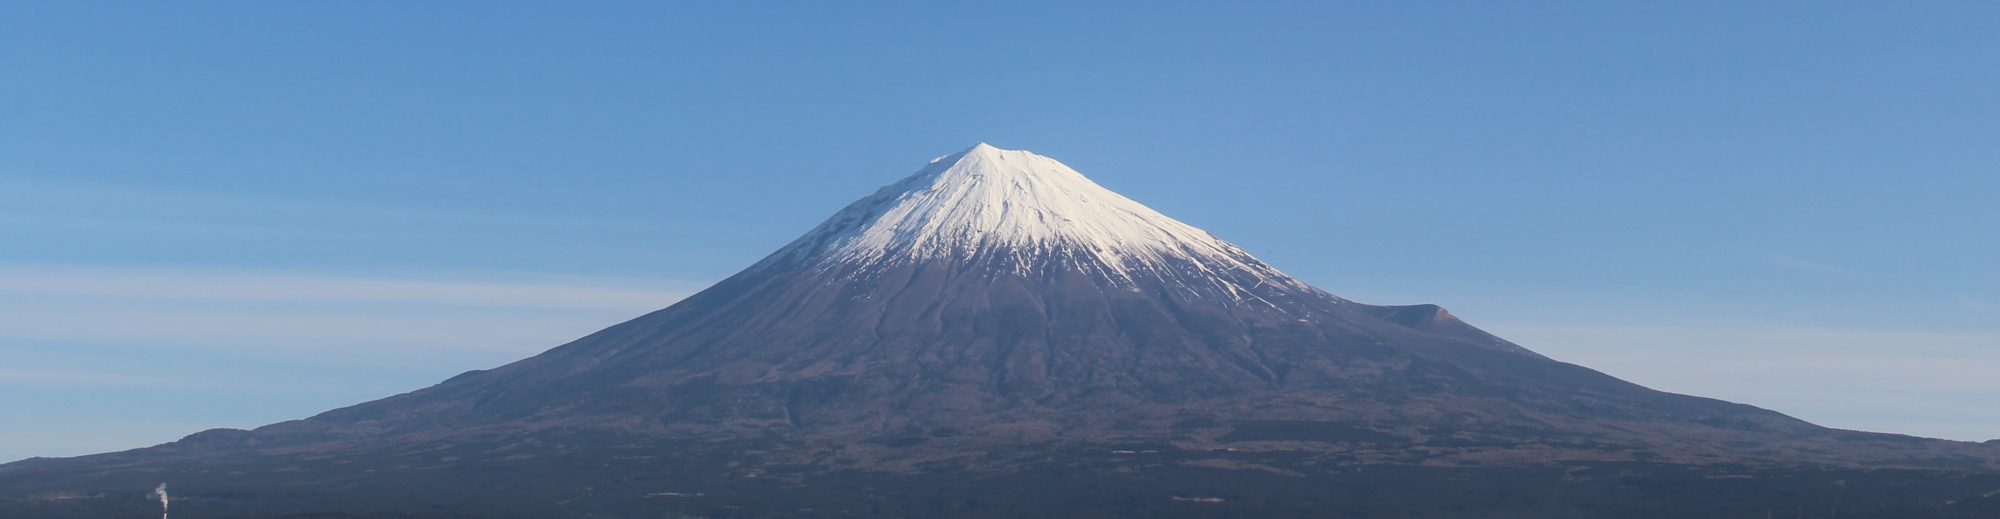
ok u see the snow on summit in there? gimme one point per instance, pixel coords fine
(986, 201)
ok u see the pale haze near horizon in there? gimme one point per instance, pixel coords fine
(227, 215)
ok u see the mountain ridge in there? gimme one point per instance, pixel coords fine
(997, 314)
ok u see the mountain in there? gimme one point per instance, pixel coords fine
(996, 335)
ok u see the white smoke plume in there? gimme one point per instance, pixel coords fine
(161, 492)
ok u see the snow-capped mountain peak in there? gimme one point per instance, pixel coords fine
(986, 203)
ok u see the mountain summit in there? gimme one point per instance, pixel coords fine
(1017, 209)
(1029, 216)
(998, 335)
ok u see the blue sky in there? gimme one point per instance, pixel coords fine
(229, 214)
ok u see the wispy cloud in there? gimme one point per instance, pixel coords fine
(1794, 263)
(1912, 382)
(213, 286)
(255, 347)
(91, 205)
(346, 318)
(1979, 305)
(53, 376)
(137, 221)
